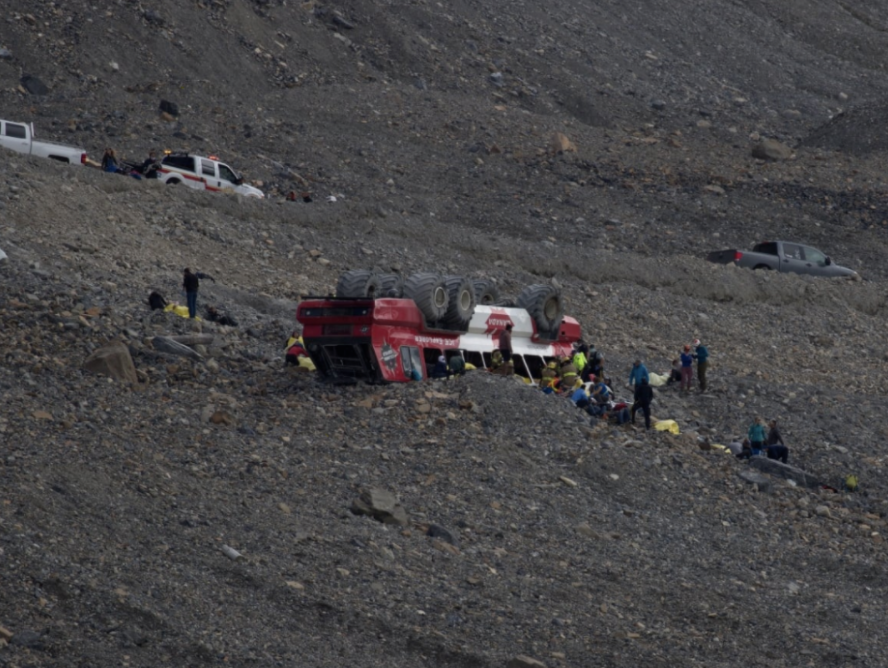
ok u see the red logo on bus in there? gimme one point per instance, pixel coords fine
(497, 321)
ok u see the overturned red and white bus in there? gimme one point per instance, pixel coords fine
(385, 340)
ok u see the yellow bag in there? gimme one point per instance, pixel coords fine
(667, 425)
(178, 309)
(470, 366)
(658, 379)
(306, 363)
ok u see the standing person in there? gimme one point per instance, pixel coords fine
(505, 343)
(579, 358)
(775, 446)
(191, 285)
(644, 395)
(637, 373)
(687, 369)
(701, 354)
(595, 367)
(756, 436)
(150, 166)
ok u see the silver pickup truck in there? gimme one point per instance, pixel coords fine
(783, 256)
(19, 137)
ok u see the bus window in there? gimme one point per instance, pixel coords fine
(412, 361)
(473, 358)
(486, 357)
(521, 368)
(430, 357)
(535, 366)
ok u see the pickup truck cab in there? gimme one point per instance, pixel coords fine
(784, 256)
(19, 137)
(203, 173)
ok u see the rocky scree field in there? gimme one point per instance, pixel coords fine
(529, 531)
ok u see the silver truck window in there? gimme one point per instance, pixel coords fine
(208, 168)
(15, 130)
(815, 256)
(792, 251)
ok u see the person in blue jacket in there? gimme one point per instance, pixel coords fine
(701, 354)
(757, 435)
(638, 372)
(687, 369)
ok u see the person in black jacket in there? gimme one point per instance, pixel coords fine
(190, 284)
(644, 395)
(774, 446)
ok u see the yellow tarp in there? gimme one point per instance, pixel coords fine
(658, 379)
(306, 363)
(667, 425)
(178, 309)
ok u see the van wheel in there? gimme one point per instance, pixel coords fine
(173, 182)
(461, 302)
(486, 292)
(358, 284)
(762, 266)
(391, 285)
(545, 306)
(429, 292)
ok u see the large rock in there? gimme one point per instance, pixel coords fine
(773, 467)
(34, 85)
(381, 505)
(762, 482)
(113, 360)
(166, 344)
(771, 149)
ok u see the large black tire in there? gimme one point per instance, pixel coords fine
(391, 285)
(545, 306)
(486, 292)
(461, 302)
(358, 284)
(429, 293)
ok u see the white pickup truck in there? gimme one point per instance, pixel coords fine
(19, 137)
(202, 173)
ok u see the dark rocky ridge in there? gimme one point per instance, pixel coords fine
(576, 546)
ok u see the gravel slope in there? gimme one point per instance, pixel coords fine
(571, 543)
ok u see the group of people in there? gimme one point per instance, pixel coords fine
(761, 440)
(148, 168)
(682, 371)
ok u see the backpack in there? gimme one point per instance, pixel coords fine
(156, 301)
